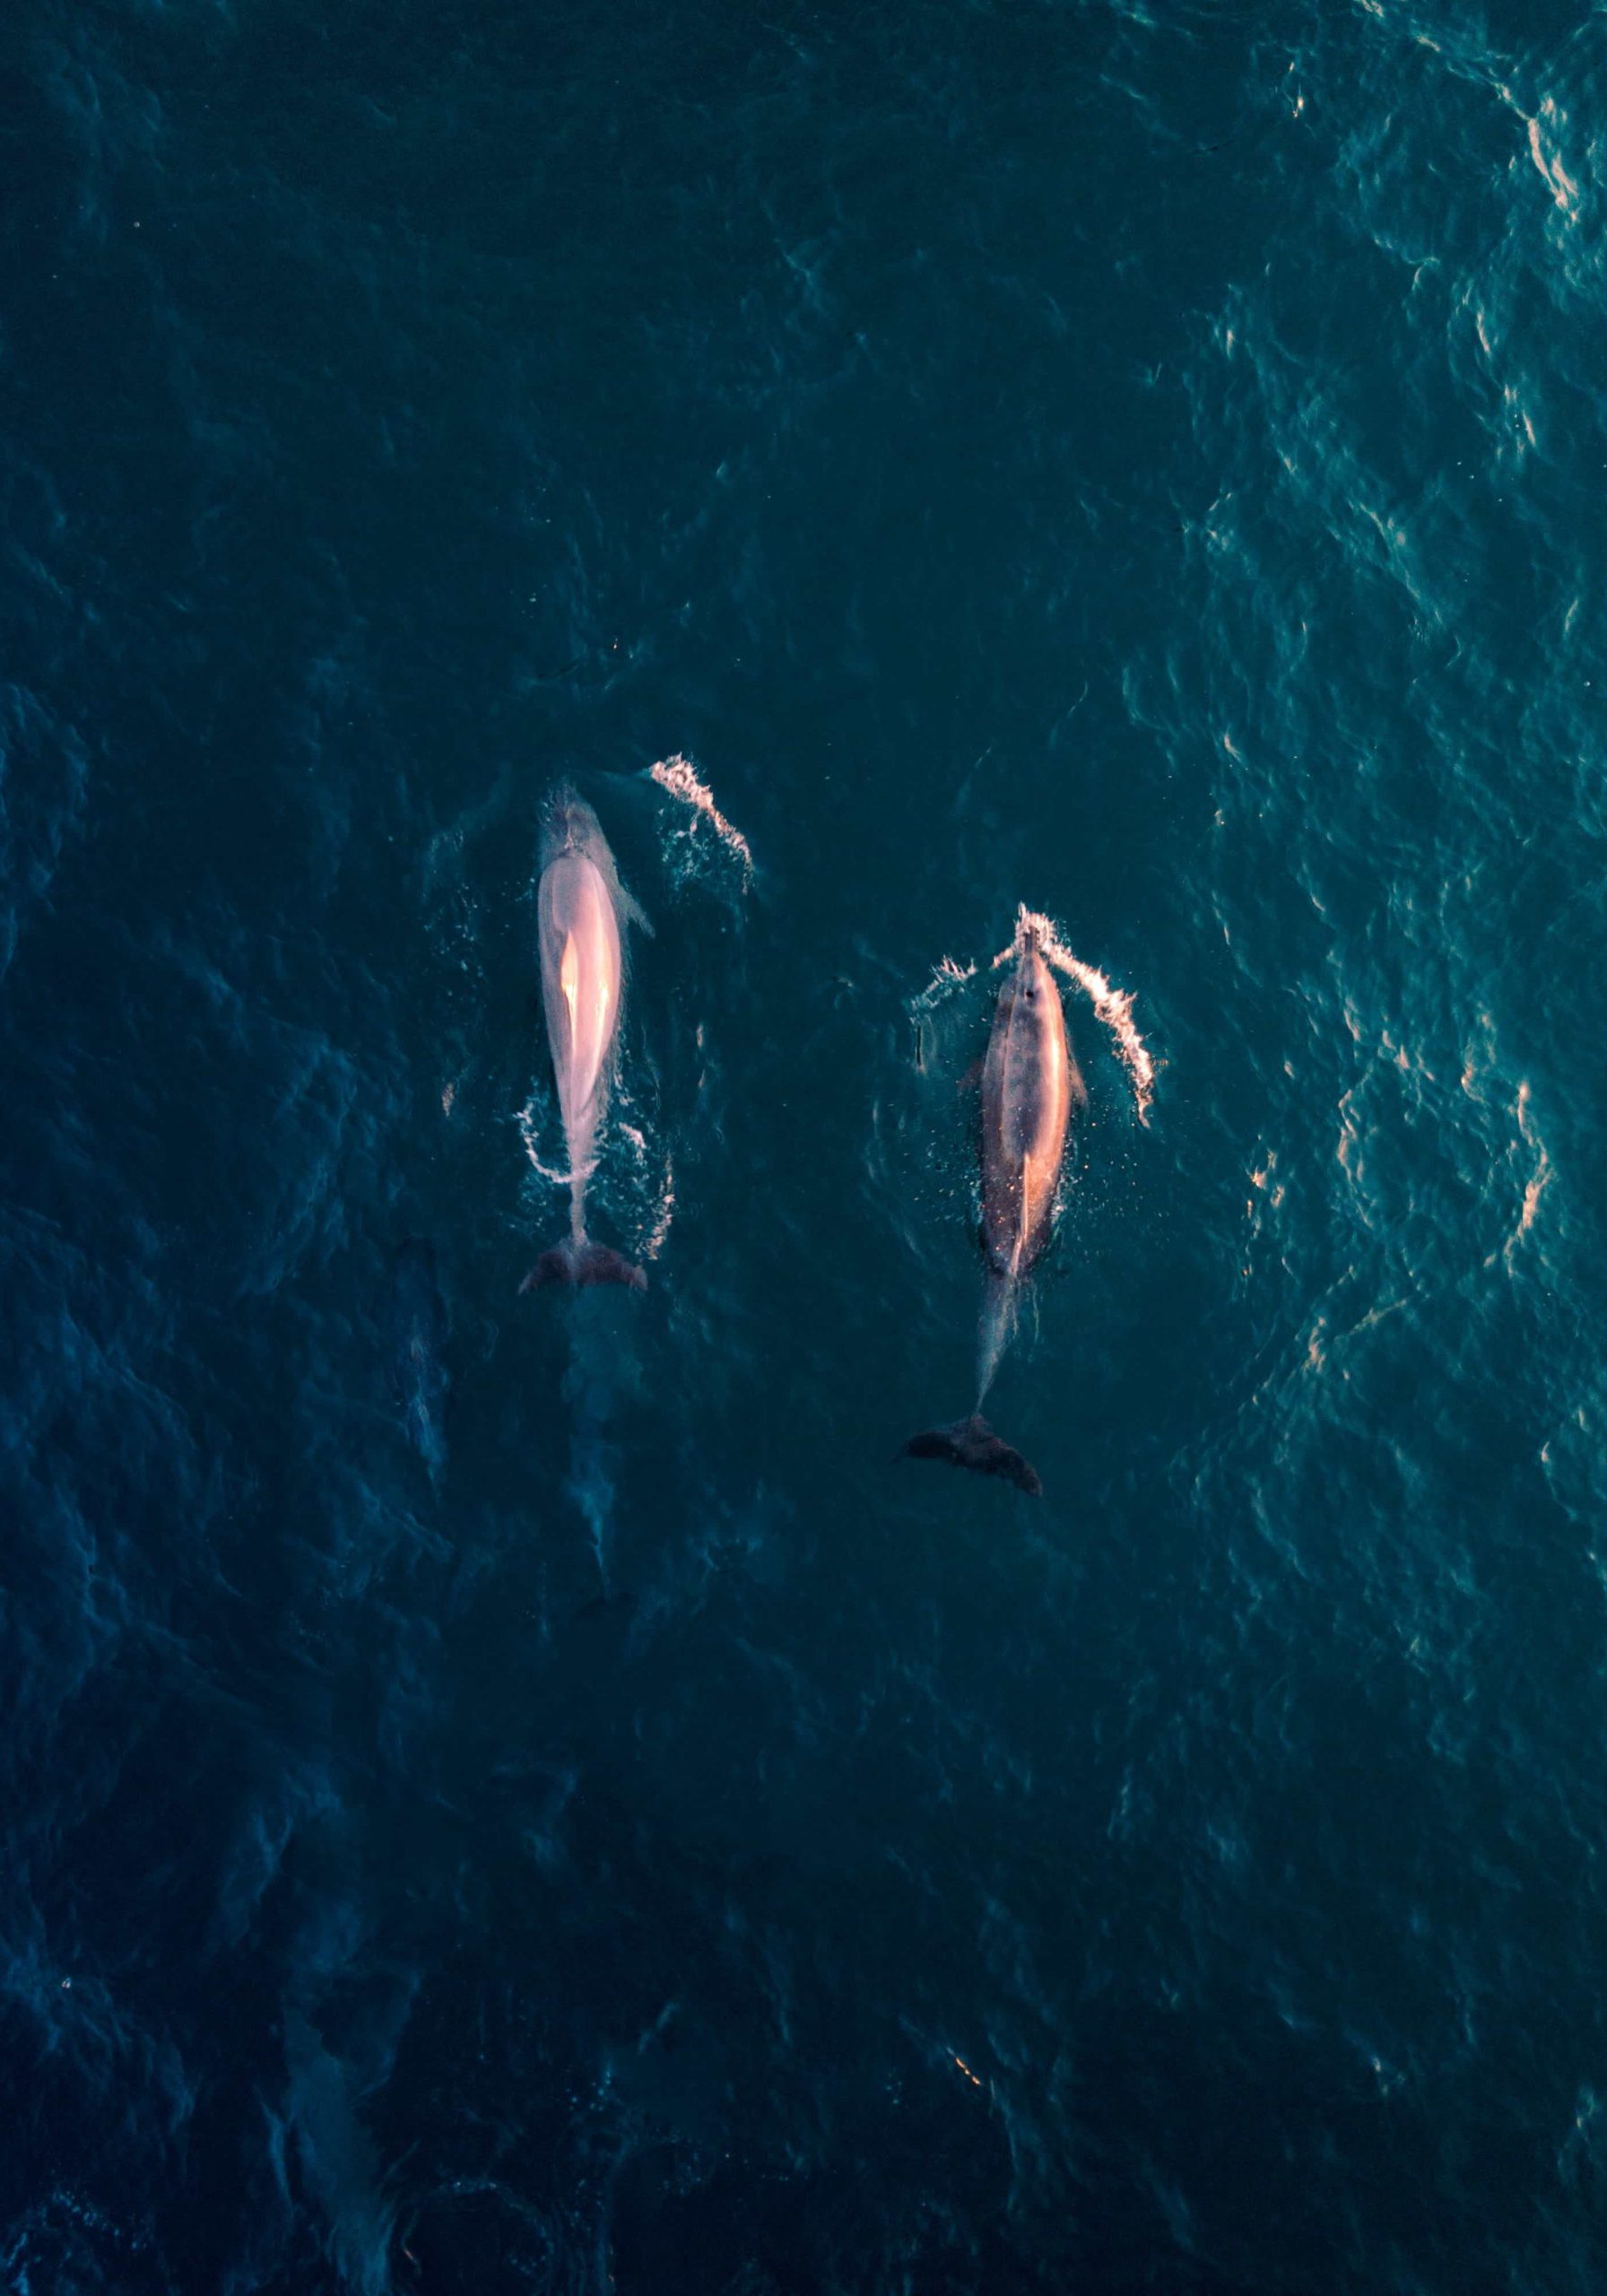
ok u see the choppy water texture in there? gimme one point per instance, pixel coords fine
(522, 1795)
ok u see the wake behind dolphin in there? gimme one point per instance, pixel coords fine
(419, 1329)
(581, 906)
(1030, 1083)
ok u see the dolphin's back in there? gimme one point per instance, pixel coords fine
(1029, 1081)
(581, 978)
(581, 905)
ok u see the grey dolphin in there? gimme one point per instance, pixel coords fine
(1030, 1083)
(580, 908)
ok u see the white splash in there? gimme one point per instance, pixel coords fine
(679, 776)
(663, 1219)
(946, 977)
(529, 1121)
(1113, 1007)
(664, 1211)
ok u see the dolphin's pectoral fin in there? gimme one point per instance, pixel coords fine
(971, 1081)
(972, 1443)
(633, 913)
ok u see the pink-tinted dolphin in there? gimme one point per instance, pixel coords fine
(581, 909)
(1030, 1083)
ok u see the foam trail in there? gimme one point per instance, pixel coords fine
(593, 1491)
(529, 1123)
(946, 977)
(664, 1208)
(641, 1198)
(679, 776)
(601, 1369)
(339, 2160)
(1113, 1007)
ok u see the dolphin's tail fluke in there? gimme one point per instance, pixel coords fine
(972, 1443)
(578, 1260)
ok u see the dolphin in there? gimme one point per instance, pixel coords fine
(1031, 1083)
(580, 908)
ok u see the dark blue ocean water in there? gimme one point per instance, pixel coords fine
(1146, 461)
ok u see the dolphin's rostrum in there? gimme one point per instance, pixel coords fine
(581, 906)
(1029, 1083)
